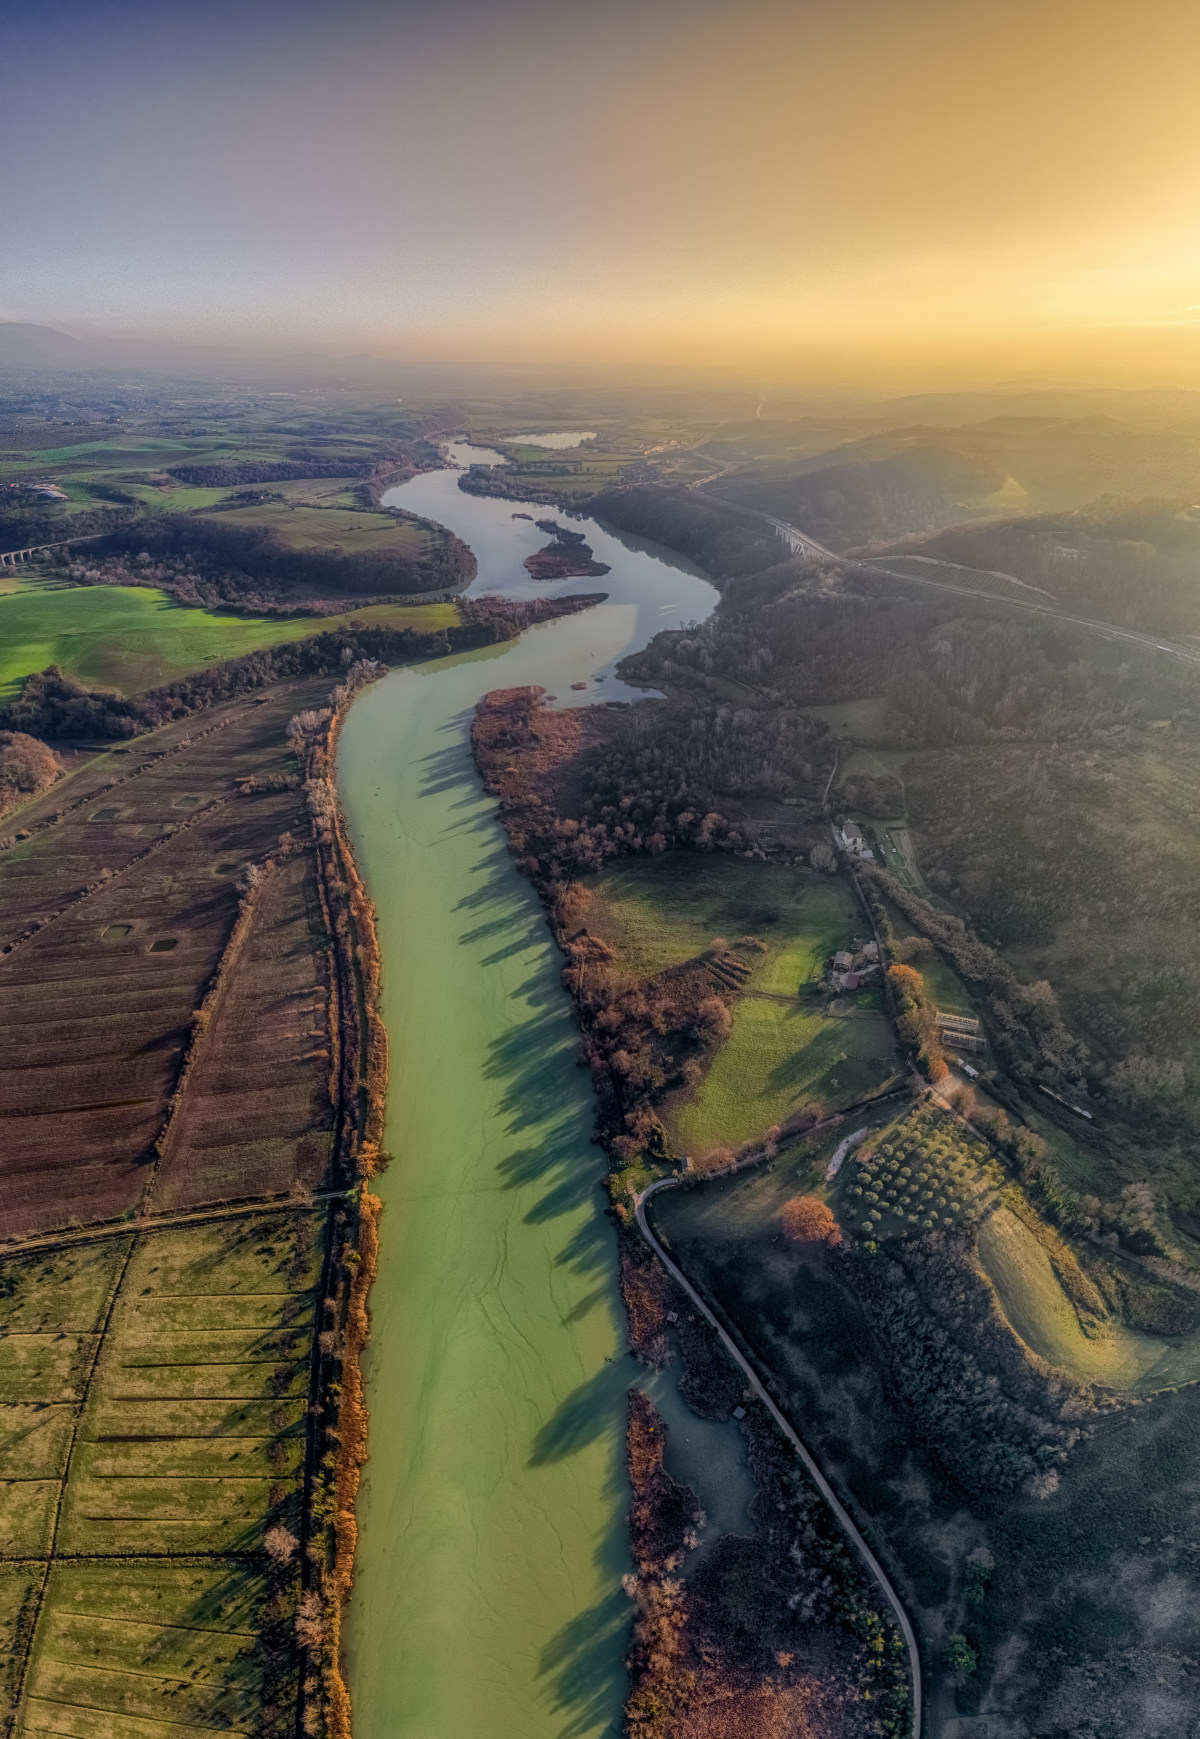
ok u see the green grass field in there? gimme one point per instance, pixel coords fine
(1040, 1312)
(778, 1058)
(782, 1051)
(132, 638)
(660, 912)
(331, 528)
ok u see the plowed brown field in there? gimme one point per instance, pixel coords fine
(114, 918)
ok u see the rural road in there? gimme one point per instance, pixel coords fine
(822, 1484)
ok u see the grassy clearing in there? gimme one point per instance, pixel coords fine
(182, 499)
(865, 719)
(777, 1059)
(783, 1051)
(329, 528)
(942, 982)
(132, 638)
(1040, 1312)
(660, 912)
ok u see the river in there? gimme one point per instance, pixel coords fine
(487, 1601)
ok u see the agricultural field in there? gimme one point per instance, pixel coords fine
(583, 472)
(785, 1049)
(132, 637)
(115, 918)
(924, 1173)
(168, 496)
(153, 1402)
(258, 1101)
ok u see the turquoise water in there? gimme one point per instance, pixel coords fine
(487, 1603)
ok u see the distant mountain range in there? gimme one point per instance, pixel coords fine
(1154, 406)
(25, 346)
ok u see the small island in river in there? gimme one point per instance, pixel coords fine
(568, 557)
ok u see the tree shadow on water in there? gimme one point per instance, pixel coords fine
(530, 1059)
(584, 1663)
(591, 1246)
(587, 1414)
(449, 768)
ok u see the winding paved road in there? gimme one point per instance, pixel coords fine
(801, 543)
(846, 1521)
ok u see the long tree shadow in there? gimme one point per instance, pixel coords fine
(449, 766)
(583, 1663)
(530, 1060)
(586, 1415)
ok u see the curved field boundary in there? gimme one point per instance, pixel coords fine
(844, 1518)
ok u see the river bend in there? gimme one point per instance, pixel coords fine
(487, 1600)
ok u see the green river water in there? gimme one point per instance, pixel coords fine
(487, 1602)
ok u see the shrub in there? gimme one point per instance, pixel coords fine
(960, 1656)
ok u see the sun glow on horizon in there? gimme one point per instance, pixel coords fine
(826, 186)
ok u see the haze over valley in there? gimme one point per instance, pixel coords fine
(599, 747)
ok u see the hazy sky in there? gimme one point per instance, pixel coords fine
(840, 183)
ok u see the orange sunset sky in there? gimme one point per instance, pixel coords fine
(859, 187)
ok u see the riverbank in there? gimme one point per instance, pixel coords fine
(338, 1432)
(492, 1511)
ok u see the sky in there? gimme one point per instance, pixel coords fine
(820, 185)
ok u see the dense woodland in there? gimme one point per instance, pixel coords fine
(27, 765)
(208, 561)
(722, 542)
(847, 504)
(994, 1420)
(300, 464)
(1132, 562)
(27, 518)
